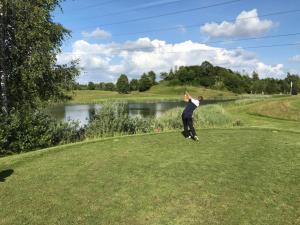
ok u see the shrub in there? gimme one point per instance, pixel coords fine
(113, 119)
(30, 130)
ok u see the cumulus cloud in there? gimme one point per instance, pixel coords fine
(97, 33)
(105, 62)
(295, 58)
(247, 24)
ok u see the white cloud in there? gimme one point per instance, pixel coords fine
(295, 58)
(105, 62)
(98, 33)
(247, 24)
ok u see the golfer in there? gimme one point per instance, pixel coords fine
(187, 116)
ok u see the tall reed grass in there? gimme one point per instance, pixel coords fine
(209, 116)
(113, 119)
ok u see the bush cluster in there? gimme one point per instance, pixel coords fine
(31, 130)
(113, 119)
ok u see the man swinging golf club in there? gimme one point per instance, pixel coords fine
(187, 116)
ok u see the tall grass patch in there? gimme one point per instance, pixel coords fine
(113, 119)
(209, 116)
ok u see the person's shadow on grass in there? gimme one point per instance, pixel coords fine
(5, 174)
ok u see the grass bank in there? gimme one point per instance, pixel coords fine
(161, 92)
(288, 109)
(232, 176)
(279, 113)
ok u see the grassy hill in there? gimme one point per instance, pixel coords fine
(158, 92)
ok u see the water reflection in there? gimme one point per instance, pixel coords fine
(79, 113)
(154, 109)
(83, 113)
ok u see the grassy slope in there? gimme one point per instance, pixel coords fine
(288, 109)
(158, 92)
(279, 113)
(238, 176)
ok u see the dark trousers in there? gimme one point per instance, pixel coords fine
(188, 127)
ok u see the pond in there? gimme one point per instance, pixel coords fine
(83, 112)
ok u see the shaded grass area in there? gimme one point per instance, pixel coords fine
(161, 92)
(232, 176)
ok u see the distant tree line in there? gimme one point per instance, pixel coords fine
(220, 78)
(123, 85)
(96, 86)
(205, 75)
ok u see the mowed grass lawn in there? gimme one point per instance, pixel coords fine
(232, 176)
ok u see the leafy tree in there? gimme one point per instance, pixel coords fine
(295, 79)
(171, 75)
(207, 67)
(144, 83)
(152, 77)
(271, 86)
(134, 85)
(164, 75)
(255, 76)
(185, 75)
(101, 86)
(123, 84)
(30, 75)
(284, 87)
(30, 41)
(110, 87)
(91, 86)
(247, 83)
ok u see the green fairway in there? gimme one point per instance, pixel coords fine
(161, 92)
(232, 176)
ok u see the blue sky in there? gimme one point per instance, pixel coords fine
(208, 41)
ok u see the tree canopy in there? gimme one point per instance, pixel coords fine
(217, 77)
(123, 84)
(30, 42)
